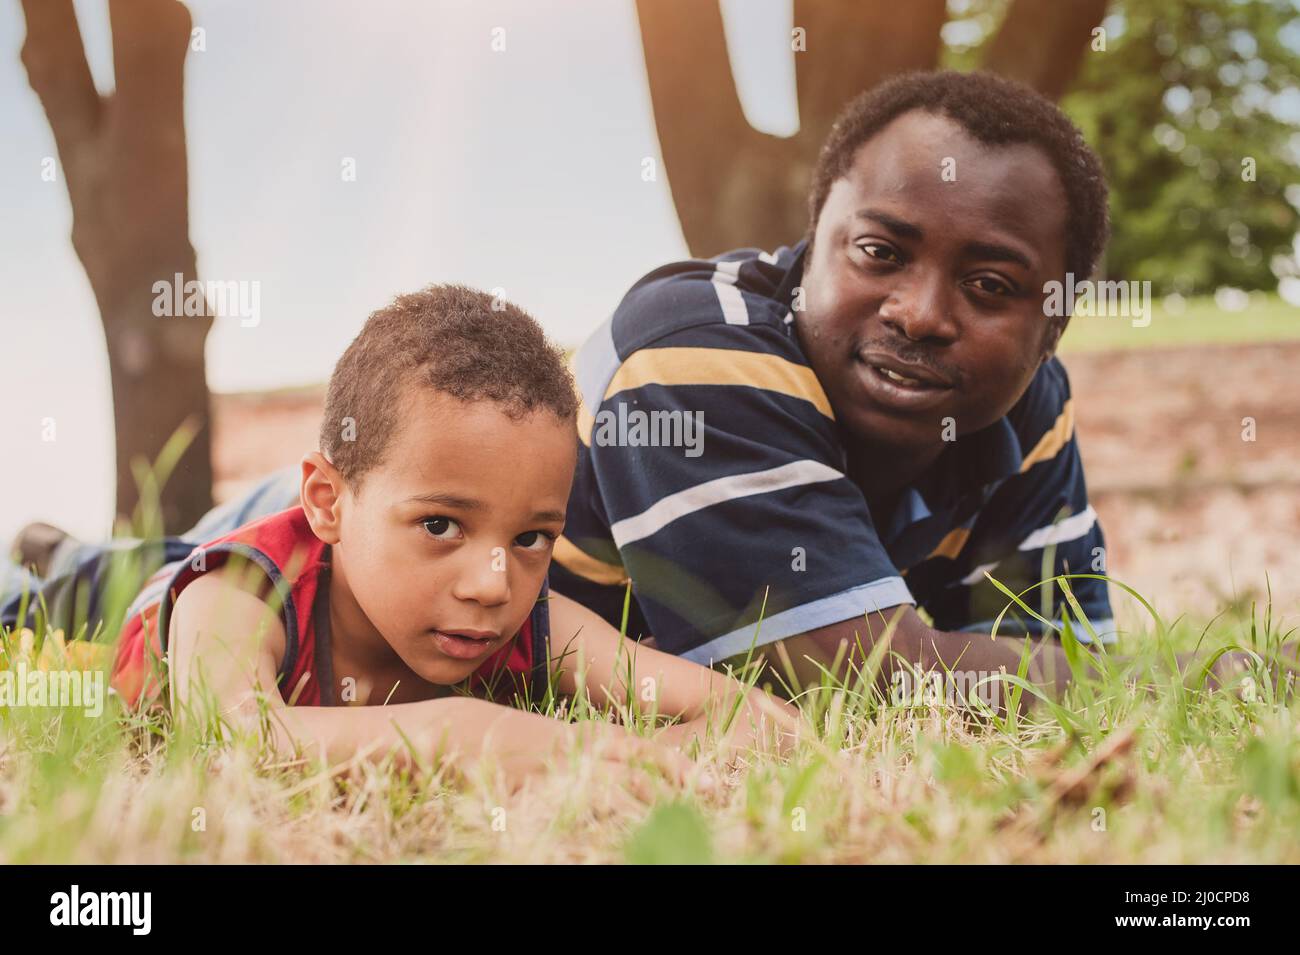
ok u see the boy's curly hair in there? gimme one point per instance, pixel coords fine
(452, 339)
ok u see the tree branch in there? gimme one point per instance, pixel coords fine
(854, 45)
(56, 67)
(1041, 42)
(697, 111)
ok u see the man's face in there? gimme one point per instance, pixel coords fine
(448, 540)
(924, 297)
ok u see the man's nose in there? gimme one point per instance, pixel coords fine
(484, 577)
(920, 308)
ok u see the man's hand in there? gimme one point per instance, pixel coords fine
(897, 640)
(1238, 670)
(927, 649)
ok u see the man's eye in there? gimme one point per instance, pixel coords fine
(878, 250)
(992, 286)
(442, 528)
(534, 540)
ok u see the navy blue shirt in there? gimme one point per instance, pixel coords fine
(712, 474)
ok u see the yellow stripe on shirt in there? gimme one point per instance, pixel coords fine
(712, 366)
(1050, 444)
(951, 544)
(567, 555)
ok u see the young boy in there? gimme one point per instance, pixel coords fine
(417, 560)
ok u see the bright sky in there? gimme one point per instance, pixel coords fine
(518, 170)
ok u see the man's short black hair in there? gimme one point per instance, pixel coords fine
(996, 111)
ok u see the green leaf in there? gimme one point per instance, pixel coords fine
(674, 834)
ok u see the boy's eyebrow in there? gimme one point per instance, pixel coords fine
(994, 251)
(439, 499)
(446, 500)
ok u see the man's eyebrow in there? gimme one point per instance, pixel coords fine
(550, 517)
(994, 251)
(998, 253)
(901, 227)
(438, 499)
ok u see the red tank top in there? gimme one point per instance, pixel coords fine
(296, 562)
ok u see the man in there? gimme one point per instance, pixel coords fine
(882, 420)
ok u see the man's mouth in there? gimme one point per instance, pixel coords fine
(465, 644)
(901, 385)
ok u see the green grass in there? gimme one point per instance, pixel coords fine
(1124, 770)
(1131, 767)
(1200, 322)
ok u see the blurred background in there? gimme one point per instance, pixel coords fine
(324, 157)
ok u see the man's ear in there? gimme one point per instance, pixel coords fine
(322, 490)
(1051, 339)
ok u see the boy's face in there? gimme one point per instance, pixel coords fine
(937, 282)
(447, 543)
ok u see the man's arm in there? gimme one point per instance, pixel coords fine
(916, 645)
(920, 647)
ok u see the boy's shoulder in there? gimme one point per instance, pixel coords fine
(277, 559)
(233, 605)
(284, 534)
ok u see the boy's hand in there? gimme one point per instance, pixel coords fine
(523, 745)
(761, 723)
(639, 761)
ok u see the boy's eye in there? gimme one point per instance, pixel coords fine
(442, 528)
(534, 540)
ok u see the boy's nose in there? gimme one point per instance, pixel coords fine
(484, 578)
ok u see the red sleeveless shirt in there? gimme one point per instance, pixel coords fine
(296, 563)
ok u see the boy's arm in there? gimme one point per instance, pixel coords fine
(226, 641)
(592, 656)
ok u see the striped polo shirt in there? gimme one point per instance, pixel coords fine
(712, 476)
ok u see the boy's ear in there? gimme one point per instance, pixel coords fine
(322, 489)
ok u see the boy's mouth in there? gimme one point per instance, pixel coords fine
(465, 644)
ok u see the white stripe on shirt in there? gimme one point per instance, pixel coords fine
(852, 604)
(697, 498)
(976, 576)
(1072, 528)
(734, 309)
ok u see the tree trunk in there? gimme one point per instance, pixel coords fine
(734, 186)
(124, 160)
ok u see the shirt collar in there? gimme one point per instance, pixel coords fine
(974, 462)
(793, 275)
